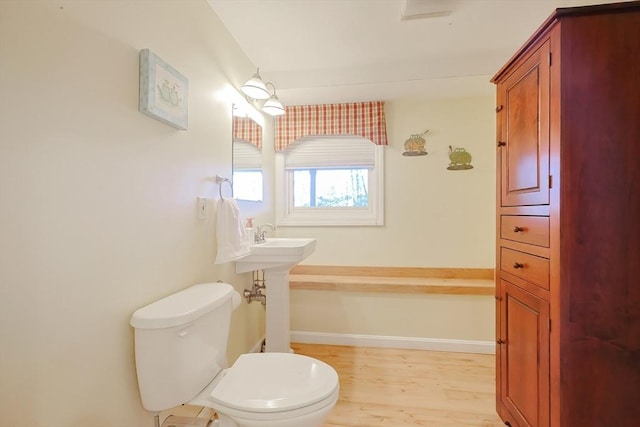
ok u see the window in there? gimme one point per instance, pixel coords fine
(330, 188)
(247, 171)
(330, 181)
(247, 185)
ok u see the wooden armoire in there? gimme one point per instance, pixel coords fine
(568, 222)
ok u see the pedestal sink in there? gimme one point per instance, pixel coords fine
(276, 256)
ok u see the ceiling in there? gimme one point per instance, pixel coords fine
(334, 51)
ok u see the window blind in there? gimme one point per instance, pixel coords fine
(330, 152)
(246, 155)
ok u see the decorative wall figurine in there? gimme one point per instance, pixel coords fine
(414, 146)
(459, 159)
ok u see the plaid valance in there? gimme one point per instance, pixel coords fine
(247, 130)
(365, 119)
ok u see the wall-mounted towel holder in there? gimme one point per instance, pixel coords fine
(221, 180)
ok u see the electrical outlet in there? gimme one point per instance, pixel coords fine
(202, 207)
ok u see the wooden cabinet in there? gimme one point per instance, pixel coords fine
(568, 222)
(523, 159)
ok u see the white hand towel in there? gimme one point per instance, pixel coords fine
(231, 234)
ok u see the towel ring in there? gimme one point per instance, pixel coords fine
(221, 180)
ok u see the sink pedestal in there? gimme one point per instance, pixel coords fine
(276, 257)
(277, 315)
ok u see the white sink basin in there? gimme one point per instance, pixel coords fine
(284, 247)
(276, 253)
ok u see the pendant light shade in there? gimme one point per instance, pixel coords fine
(255, 87)
(273, 106)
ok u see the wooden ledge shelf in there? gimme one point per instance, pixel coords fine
(405, 282)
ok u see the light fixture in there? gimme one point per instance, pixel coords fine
(273, 106)
(255, 87)
(257, 90)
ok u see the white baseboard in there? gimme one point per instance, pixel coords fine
(435, 344)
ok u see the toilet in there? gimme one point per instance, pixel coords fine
(180, 352)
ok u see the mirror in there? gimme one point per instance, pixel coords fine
(247, 157)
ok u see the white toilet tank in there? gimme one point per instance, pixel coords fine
(181, 343)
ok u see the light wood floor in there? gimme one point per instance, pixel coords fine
(391, 387)
(403, 388)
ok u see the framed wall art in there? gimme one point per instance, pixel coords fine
(164, 91)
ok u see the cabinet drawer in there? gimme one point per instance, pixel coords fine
(531, 268)
(526, 229)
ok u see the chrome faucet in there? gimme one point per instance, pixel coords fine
(260, 234)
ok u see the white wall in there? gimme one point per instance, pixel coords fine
(98, 202)
(434, 217)
(378, 315)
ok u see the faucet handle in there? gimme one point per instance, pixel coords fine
(260, 234)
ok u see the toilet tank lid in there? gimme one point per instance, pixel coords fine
(182, 307)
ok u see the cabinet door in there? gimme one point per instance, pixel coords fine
(524, 357)
(523, 104)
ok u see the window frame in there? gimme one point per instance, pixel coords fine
(288, 215)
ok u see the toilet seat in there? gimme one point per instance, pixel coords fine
(266, 385)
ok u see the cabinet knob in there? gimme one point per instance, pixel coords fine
(498, 298)
(499, 341)
(518, 229)
(499, 108)
(517, 265)
(501, 143)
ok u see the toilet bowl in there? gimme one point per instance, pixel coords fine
(180, 347)
(275, 390)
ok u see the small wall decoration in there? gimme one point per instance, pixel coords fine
(414, 146)
(164, 92)
(459, 159)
